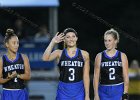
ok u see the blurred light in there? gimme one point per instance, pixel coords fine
(28, 3)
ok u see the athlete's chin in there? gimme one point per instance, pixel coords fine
(71, 45)
(14, 51)
(108, 49)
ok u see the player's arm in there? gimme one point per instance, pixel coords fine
(2, 80)
(27, 74)
(48, 56)
(86, 73)
(125, 72)
(96, 75)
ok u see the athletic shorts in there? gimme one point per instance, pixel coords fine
(70, 91)
(111, 92)
(14, 94)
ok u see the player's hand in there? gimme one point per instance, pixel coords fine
(58, 38)
(96, 97)
(10, 76)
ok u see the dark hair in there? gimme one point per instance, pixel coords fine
(70, 30)
(9, 33)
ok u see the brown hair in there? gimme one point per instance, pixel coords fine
(9, 33)
(67, 30)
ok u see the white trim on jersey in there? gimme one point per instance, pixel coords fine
(112, 84)
(11, 89)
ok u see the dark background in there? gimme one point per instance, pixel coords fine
(123, 14)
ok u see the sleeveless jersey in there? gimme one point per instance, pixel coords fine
(111, 69)
(71, 68)
(10, 66)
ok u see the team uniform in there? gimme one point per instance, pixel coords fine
(111, 85)
(14, 89)
(71, 86)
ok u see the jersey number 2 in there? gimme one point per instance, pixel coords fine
(111, 73)
(72, 72)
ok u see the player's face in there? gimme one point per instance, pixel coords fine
(70, 39)
(110, 42)
(13, 44)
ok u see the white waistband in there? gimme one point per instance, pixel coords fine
(11, 89)
(112, 84)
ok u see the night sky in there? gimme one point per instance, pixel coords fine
(123, 14)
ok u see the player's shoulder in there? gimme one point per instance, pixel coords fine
(24, 56)
(0, 58)
(99, 54)
(84, 52)
(123, 55)
(58, 52)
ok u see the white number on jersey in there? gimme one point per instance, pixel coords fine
(111, 73)
(15, 80)
(72, 77)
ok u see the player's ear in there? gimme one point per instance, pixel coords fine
(6, 44)
(76, 38)
(116, 41)
(64, 40)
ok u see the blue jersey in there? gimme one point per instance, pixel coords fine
(71, 85)
(111, 69)
(10, 66)
(71, 68)
(111, 85)
(14, 89)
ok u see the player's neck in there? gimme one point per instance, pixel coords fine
(71, 51)
(111, 52)
(11, 55)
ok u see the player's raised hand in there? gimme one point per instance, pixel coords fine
(58, 37)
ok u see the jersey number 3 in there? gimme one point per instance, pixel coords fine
(72, 74)
(111, 73)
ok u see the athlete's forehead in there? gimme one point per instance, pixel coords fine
(70, 34)
(14, 38)
(108, 36)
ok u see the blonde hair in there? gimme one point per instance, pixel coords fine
(114, 33)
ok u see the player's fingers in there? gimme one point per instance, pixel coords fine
(8, 73)
(56, 33)
(62, 39)
(14, 72)
(62, 34)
